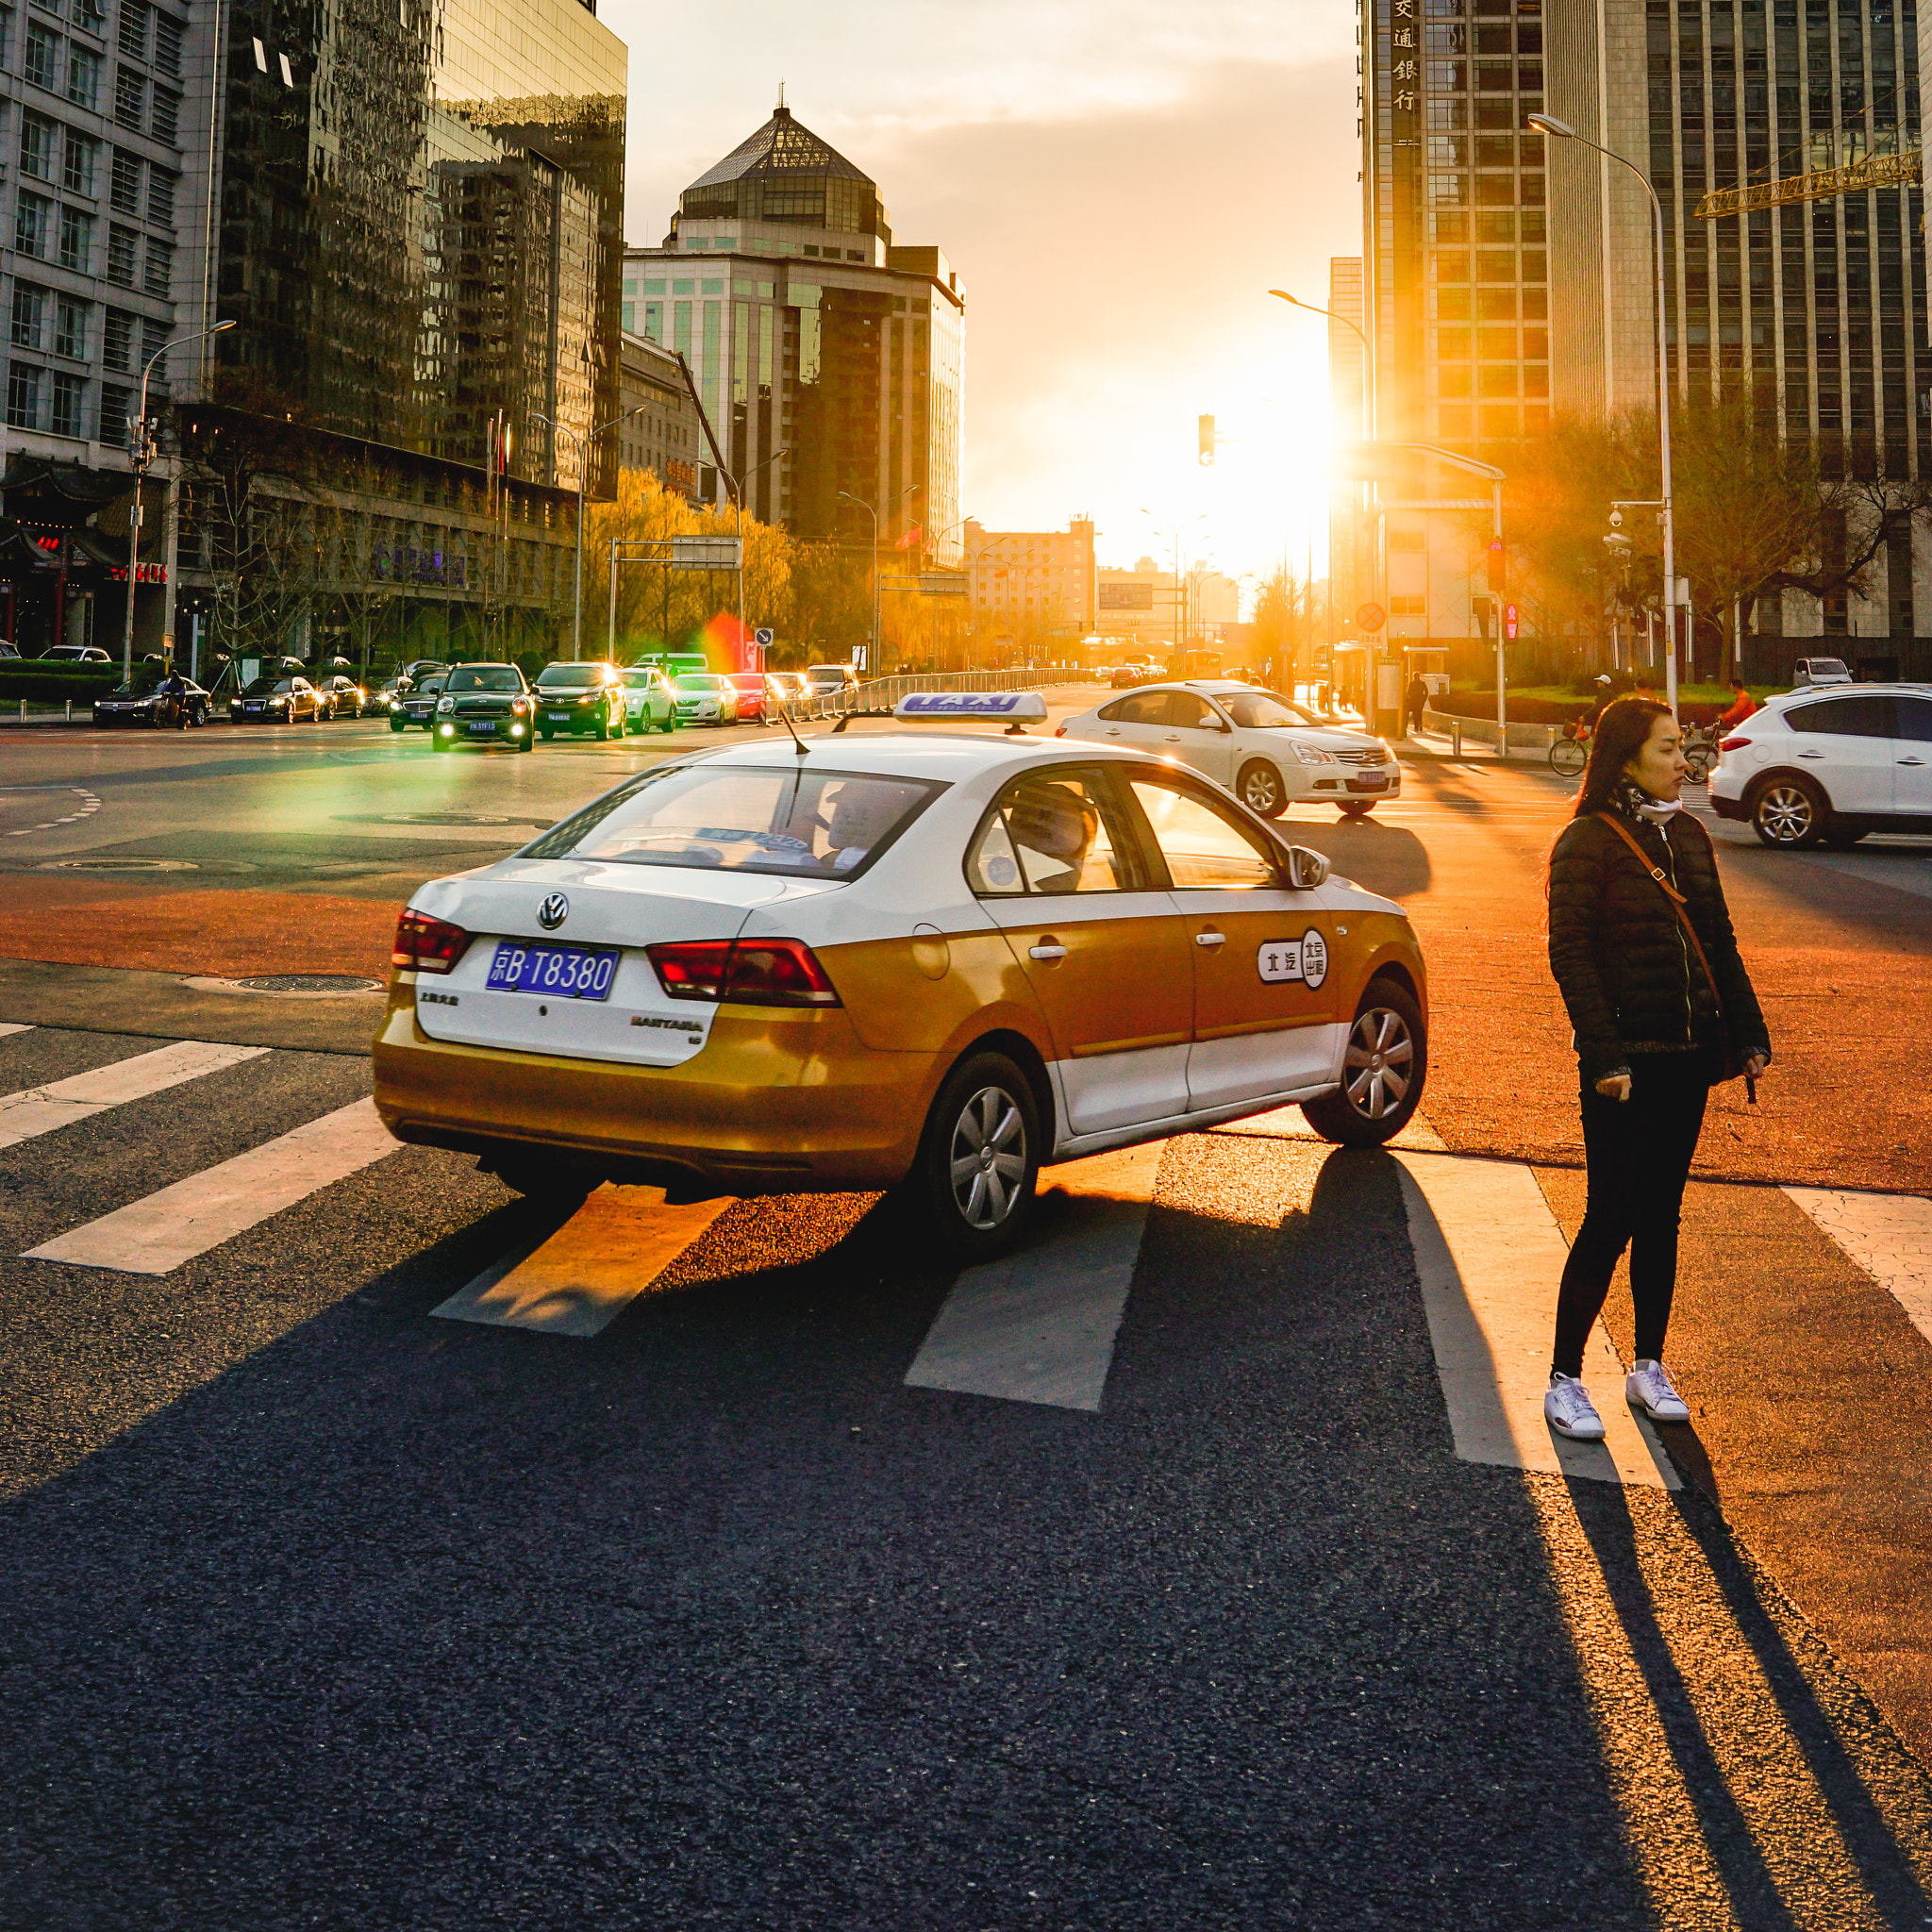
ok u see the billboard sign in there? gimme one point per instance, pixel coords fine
(1117, 596)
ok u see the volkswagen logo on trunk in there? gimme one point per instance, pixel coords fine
(553, 912)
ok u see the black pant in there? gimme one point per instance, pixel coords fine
(1639, 1153)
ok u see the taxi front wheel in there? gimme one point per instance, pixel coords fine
(1383, 1069)
(980, 1156)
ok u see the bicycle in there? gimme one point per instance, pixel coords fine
(1700, 754)
(1569, 752)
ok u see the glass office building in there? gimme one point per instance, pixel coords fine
(827, 358)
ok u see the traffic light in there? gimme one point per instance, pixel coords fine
(1206, 441)
(1498, 577)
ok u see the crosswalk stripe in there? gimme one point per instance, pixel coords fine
(1889, 1236)
(41, 1109)
(14, 1026)
(1039, 1326)
(1490, 1256)
(1289, 1123)
(157, 1235)
(590, 1270)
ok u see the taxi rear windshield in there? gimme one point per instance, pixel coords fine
(807, 824)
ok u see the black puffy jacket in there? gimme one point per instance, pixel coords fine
(1627, 973)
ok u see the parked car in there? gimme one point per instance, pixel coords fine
(154, 697)
(649, 703)
(1812, 671)
(417, 706)
(750, 686)
(704, 698)
(75, 654)
(785, 687)
(8, 650)
(484, 704)
(1831, 766)
(268, 700)
(720, 976)
(580, 698)
(1265, 748)
(344, 697)
(829, 681)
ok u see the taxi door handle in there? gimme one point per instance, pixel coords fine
(1049, 949)
(1810, 754)
(1210, 939)
(1174, 738)
(1911, 761)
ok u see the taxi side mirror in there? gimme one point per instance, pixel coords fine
(1306, 869)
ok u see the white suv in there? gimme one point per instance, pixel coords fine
(1832, 764)
(1265, 748)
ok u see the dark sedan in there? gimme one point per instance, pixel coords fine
(155, 698)
(417, 706)
(484, 704)
(342, 697)
(275, 701)
(580, 698)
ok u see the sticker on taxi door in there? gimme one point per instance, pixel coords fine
(1304, 960)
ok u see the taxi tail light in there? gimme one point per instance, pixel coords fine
(1734, 744)
(763, 972)
(427, 946)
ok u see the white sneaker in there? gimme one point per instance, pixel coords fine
(1648, 1388)
(1568, 1410)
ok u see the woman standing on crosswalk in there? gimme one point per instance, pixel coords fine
(1642, 946)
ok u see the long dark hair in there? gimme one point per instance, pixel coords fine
(1621, 731)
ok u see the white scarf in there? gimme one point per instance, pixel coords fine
(1635, 800)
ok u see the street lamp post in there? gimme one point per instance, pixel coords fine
(582, 444)
(140, 453)
(1561, 131)
(874, 666)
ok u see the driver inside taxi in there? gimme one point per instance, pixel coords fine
(1054, 828)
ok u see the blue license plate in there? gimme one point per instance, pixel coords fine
(572, 972)
(482, 728)
(557, 717)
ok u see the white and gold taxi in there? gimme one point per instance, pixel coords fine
(927, 960)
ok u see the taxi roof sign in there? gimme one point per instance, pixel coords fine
(1005, 707)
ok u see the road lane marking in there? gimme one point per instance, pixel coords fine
(1039, 1325)
(14, 1026)
(1889, 1236)
(41, 1109)
(157, 1235)
(590, 1270)
(1288, 1124)
(1490, 1256)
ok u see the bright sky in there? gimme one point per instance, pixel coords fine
(1118, 186)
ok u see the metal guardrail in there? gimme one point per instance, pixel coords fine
(881, 694)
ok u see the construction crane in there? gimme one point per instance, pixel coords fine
(1875, 171)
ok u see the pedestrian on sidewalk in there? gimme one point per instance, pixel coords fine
(1642, 950)
(1415, 701)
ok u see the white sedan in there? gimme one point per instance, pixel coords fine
(649, 702)
(1267, 750)
(704, 698)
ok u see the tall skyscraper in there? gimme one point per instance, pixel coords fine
(1787, 279)
(830, 361)
(412, 214)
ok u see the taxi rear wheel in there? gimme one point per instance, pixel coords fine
(1384, 1066)
(1259, 788)
(980, 1156)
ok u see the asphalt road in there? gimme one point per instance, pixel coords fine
(327, 1608)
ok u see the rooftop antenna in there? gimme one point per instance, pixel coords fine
(785, 715)
(781, 95)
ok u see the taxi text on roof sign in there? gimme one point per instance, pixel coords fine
(1014, 707)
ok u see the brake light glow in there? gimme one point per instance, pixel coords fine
(427, 946)
(1734, 744)
(755, 973)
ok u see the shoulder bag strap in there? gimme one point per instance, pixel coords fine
(1677, 899)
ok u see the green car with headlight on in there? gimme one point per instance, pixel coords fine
(484, 704)
(580, 699)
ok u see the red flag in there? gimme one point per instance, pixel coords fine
(911, 537)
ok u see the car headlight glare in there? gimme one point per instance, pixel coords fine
(446, 705)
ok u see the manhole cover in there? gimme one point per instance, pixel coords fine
(309, 982)
(120, 865)
(437, 818)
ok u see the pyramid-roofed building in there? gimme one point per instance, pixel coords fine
(829, 361)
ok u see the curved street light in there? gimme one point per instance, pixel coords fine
(141, 454)
(582, 443)
(1561, 131)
